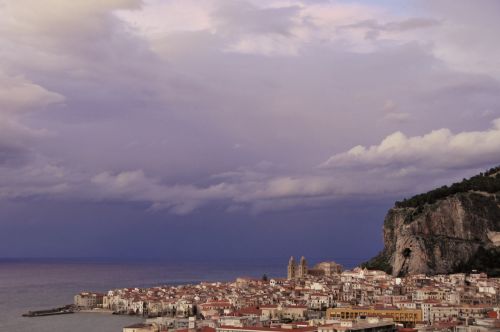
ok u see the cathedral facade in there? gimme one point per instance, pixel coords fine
(295, 271)
(299, 271)
(292, 268)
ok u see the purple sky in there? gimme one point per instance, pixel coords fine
(225, 128)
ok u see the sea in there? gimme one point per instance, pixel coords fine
(35, 284)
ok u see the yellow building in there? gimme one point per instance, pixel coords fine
(406, 316)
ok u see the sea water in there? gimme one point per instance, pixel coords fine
(46, 283)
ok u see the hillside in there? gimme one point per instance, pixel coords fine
(450, 229)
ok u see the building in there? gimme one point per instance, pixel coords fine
(327, 269)
(292, 268)
(141, 328)
(302, 268)
(362, 300)
(88, 300)
(215, 308)
(278, 312)
(362, 325)
(238, 320)
(405, 316)
(288, 328)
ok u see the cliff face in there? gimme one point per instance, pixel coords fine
(443, 237)
(457, 233)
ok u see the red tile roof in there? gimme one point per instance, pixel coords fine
(268, 329)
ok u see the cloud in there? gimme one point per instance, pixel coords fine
(182, 199)
(397, 116)
(17, 94)
(439, 149)
(392, 113)
(136, 186)
(374, 29)
(19, 97)
(464, 41)
(15, 140)
(410, 24)
(56, 37)
(175, 103)
(253, 190)
(45, 19)
(38, 178)
(271, 28)
(243, 17)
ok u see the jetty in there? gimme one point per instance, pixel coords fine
(67, 309)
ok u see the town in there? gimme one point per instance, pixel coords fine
(324, 298)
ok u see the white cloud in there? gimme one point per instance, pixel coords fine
(439, 149)
(465, 41)
(30, 17)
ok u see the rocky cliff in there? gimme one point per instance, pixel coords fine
(451, 229)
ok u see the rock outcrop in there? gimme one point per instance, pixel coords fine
(452, 231)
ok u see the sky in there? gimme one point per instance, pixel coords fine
(242, 129)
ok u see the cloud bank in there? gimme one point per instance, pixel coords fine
(254, 105)
(439, 149)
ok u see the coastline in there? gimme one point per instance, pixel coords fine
(95, 311)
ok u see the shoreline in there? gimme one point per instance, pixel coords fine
(95, 311)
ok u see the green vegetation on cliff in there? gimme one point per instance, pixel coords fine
(484, 260)
(487, 182)
(379, 262)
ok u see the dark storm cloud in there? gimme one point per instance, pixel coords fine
(151, 102)
(11, 155)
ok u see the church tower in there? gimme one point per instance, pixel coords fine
(292, 268)
(302, 268)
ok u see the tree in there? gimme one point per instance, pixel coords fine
(195, 310)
